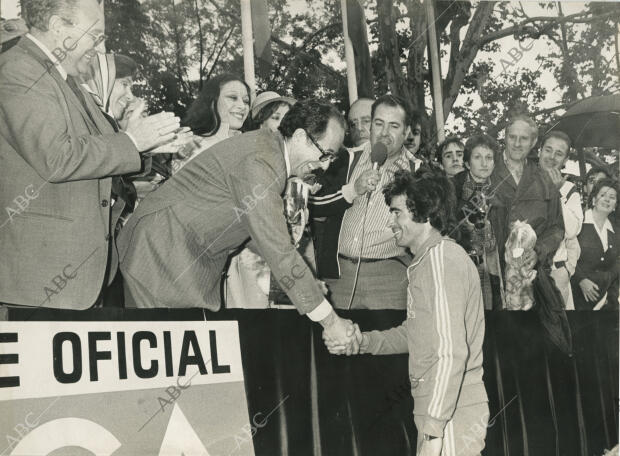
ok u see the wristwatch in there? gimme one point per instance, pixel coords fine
(428, 437)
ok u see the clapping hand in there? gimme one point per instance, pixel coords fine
(152, 131)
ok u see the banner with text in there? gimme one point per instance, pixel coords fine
(123, 388)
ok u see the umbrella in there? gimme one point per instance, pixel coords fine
(593, 122)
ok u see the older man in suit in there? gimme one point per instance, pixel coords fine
(174, 248)
(58, 155)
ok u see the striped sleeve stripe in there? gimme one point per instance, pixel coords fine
(331, 195)
(442, 317)
(321, 200)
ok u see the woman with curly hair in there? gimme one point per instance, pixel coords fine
(217, 114)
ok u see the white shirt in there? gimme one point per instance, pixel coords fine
(569, 249)
(51, 56)
(602, 233)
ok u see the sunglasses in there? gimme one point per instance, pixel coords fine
(325, 156)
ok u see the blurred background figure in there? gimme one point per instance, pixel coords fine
(267, 111)
(474, 193)
(592, 177)
(450, 155)
(359, 122)
(248, 280)
(414, 141)
(217, 114)
(10, 31)
(595, 283)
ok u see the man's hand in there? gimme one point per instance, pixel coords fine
(341, 332)
(152, 131)
(336, 348)
(589, 290)
(556, 177)
(431, 447)
(367, 182)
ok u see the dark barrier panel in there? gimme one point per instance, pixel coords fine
(541, 402)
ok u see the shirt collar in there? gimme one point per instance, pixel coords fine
(49, 55)
(589, 218)
(433, 238)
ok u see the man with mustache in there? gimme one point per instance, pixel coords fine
(356, 230)
(174, 247)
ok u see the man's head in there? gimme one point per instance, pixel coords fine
(414, 139)
(553, 153)
(71, 29)
(359, 121)
(521, 136)
(450, 155)
(313, 131)
(390, 123)
(419, 205)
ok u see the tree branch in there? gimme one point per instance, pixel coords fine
(523, 28)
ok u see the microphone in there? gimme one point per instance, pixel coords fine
(378, 156)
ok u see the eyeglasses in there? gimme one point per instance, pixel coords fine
(325, 156)
(97, 39)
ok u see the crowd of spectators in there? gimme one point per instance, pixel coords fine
(347, 242)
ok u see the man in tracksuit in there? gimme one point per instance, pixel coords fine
(444, 329)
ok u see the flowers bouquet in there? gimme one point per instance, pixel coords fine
(519, 275)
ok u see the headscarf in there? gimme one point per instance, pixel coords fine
(100, 80)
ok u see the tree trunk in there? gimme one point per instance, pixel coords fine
(390, 49)
(469, 50)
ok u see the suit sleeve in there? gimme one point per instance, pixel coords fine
(35, 121)
(388, 342)
(446, 296)
(549, 242)
(256, 189)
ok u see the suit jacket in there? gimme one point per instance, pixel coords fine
(535, 200)
(175, 245)
(55, 166)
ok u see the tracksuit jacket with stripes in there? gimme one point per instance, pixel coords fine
(443, 333)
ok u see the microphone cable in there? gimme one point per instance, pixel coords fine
(359, 258)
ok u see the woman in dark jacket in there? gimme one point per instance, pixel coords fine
(473, 192)
(595, 283)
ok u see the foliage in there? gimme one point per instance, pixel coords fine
(179, 45)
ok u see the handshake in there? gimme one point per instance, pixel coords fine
(343, 336)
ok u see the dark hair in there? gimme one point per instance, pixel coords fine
(595, 170)
(416, 119)
(449, 140)
(598, 186)
(429, 196)
(265, 113)
(311, 115)
(202, 116)
(393, 101)
(558, 135)
(481, 140)
(37, 13)
(125, 66)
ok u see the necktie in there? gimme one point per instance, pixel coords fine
(78, 93)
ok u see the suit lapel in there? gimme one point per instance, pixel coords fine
(48, 67)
